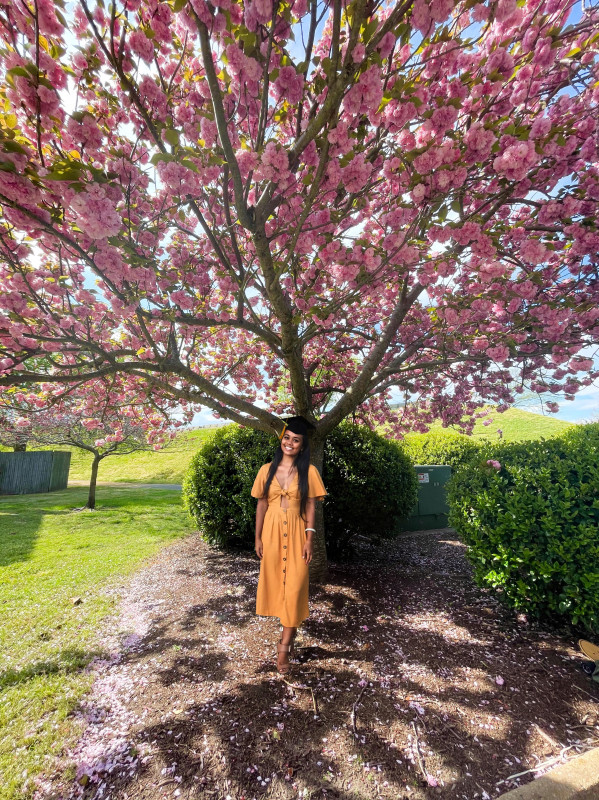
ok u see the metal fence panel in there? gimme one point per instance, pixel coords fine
(61, 463)
(34, 471)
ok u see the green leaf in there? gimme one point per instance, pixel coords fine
(158, 157)
(171, 136)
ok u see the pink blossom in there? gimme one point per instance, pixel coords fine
(358, 53)
(421, 18)
(141, 45)
(96, 213)
(581, 364)
(386, 45)
(504, 9)
(418, 193)
(263, 10)
(533, 251)
(48, 21)
(289, 84)
(516, 160)
(499, 353)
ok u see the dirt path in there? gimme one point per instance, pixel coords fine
(414, 684)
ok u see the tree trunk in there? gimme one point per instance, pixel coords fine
(20, 447)
(91, 497)
(318, 567)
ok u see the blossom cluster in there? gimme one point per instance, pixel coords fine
(396, 215)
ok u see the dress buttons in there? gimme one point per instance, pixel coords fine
(284, 547)
(284, 534)
(284, 570)
(284, 522)
(284, 559)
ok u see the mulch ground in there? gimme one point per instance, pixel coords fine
(413, 683)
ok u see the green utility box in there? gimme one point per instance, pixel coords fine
(431, 510)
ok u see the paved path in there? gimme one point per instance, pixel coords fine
(128, 485)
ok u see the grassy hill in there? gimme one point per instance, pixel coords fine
(517, 426)
(170, 464)
(153, 466)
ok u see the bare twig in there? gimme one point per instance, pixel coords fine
(549, 763)
(592, 696)
(546, 736)
(314, 703)
(353, 711)
(446, 727)
(305, 688)
(418, 756)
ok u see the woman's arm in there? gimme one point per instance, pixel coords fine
(260, 514)
(310, 517)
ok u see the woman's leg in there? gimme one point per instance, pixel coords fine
(287, 637)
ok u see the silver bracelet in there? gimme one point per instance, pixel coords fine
(311, 529)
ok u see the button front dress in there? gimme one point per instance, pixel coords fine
(283, 582)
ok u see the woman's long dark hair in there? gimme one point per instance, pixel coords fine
(302, 464)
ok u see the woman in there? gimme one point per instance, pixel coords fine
(287, 490)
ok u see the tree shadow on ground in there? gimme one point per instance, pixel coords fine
(70, 659)
(395, 672)
(18, 534)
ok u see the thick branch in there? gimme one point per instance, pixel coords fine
(220, 118)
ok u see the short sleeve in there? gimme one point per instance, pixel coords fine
(260, 482)
(315, 485)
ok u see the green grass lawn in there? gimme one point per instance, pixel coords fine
(50, 554)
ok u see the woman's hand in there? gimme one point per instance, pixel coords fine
(259, 547)
(308, 550)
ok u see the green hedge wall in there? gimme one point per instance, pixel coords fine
(370, 484)
(532, 525)
(441, 447)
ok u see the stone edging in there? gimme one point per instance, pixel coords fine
(578, 779)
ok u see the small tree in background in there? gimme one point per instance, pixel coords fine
(99, 420)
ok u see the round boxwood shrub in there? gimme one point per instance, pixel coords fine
(441, 447)
(218, 483)
(370, 484)
(531, 523)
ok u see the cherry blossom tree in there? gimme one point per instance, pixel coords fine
(99, 421)
(276, 206)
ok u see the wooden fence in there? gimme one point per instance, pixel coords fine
(35, 471)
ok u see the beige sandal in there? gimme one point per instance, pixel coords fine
(283, 648)
(590, 650)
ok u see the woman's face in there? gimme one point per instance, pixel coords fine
(291, 443)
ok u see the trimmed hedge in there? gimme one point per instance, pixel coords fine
(218, 483)
(370, 484)
(441, 447)
(532, 526)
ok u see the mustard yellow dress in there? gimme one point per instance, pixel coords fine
(283, 583)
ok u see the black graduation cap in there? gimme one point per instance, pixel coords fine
(297, 425)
